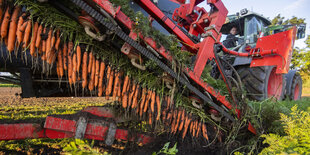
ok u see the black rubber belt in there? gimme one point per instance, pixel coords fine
(148, 54)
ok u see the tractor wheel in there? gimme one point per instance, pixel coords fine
(262, 82)
(296, 88)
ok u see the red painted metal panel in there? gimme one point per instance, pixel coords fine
(123, 135)
(57, 134)
(167, 23)
(62, 128)
(20, 131)
(100, 111)
(96, 131)
(283, 43)
(116, 13)
(205, 53)
(124, 19)
(60, 124)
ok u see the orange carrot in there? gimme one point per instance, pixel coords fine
(53, 40)
(198, 129)
(92, 78)
(78, 58)
(51, 57)
(97, 63)
(186, 125)
(21, 26)
(191, 127)
(135, 97)
(74, 77)
(69, 53)
(195, 128)
(150, 118)
(5, 23)
(33, 38)
(58, 40)
(169, 118)
(143, 98)
(125, 96)
(101, 74)
(204, 131)
(70, 68)
(61, 70)
(119, 86)
(153, 101)
(168, 103)
(164, 113)
(84, 70)
(126, 80)
(12, 30)
(110, 84)
(115, 89)
(65, 55)
(132, 91)
(43, 56)
(27, 34)
(44, 44)
(178, 120)
(182, 120)
(48, 44)
(149, 95)
(108, 81)
(90, 61)
(174, 117)
(125, 100)
(158, 107)
(38, 38)
(57, 70)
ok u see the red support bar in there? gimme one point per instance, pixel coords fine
(20, 131)
(233, 52)
(205, 52)
(56, 128)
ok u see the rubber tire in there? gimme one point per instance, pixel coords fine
(296, 81)
(255, 81)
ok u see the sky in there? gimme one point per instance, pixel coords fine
(271, 8)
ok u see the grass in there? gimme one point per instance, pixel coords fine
(265, 116)
(8, 85)
(269, 112)
(41, 110)
(306, 91)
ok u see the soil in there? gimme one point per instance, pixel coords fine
(10, 96)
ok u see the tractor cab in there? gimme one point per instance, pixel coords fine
(250, 27)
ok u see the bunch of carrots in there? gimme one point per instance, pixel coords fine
(81, 67)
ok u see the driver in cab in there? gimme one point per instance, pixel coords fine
(231, 38)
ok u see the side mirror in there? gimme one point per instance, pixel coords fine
(301, 31)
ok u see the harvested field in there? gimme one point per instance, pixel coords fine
(14, 109)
